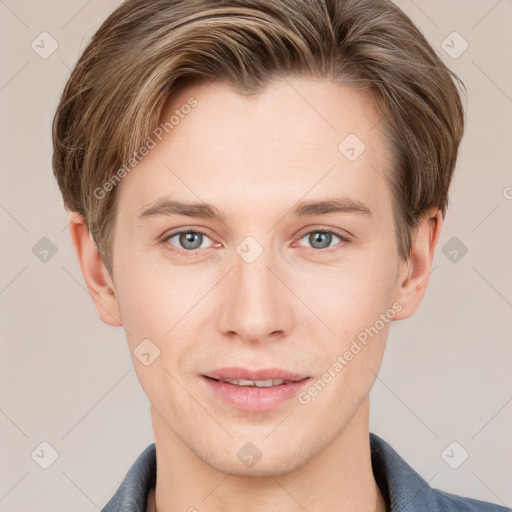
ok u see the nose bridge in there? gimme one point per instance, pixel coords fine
(253, 304)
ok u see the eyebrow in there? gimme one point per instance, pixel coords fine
(302, 209)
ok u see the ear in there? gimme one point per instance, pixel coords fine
(414, 274)
(98, 281)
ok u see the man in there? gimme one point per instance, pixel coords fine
(256, 191)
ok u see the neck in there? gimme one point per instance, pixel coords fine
(340, 477)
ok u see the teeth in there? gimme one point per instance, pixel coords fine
(256, 383)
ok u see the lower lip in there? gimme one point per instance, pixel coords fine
(252, 398)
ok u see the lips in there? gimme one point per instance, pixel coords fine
(234, 373)
(236, 388)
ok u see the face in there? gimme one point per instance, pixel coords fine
(293, 266)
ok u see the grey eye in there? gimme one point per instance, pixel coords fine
(320, 239)
(188, 240)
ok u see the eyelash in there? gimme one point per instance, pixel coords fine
(174, 249)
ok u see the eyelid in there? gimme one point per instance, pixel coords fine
(179, 231)
(314, 229)
(344, 238)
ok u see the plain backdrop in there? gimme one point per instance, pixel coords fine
(67, 379)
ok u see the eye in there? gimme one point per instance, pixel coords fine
(188, 240)
(320, 239)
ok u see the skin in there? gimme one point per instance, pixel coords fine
(294, 307)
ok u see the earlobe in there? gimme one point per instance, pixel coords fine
(97, 279)
(414, 277)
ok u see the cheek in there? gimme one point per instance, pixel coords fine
(150, 294)
(351, 296)
(151, 304)
(355, 303)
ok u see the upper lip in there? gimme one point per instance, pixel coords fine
(234, 372)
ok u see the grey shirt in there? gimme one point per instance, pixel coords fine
(403, 488)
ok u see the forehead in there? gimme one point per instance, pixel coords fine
(298, 137)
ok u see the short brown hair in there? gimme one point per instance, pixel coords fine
(147, 49)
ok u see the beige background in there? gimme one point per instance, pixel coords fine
(68, 379)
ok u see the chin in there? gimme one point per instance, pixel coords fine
(262, 468)
(254, 459)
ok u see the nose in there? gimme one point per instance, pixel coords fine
(255, 305)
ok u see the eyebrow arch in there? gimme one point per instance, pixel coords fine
(302, 209)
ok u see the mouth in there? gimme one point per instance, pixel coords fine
(264, 375)
(267, 383)
(254, 390)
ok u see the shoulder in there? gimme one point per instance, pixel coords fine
(406, 491)
(454, 503)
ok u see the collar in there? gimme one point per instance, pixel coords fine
(404, 490)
